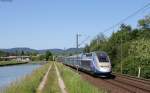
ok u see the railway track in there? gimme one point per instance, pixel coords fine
(130, 85)
(133, 78)
(140, 85)
(119, 83)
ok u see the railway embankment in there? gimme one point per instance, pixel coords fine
(118, 83)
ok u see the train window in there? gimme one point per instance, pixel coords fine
(102, 58)
(89, 55)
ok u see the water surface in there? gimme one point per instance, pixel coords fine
(9, 74)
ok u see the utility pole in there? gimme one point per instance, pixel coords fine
(77, 46)
(77, 40)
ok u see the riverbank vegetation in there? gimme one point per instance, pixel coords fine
(29, 83)
(128, 48)
(8, 63)
(74, 83)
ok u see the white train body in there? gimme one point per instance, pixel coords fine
(95, 62)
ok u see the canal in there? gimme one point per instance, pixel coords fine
(8, 74)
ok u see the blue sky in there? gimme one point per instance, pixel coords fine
(42, 24)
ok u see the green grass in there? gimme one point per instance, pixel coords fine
(74, 83)
(7, 63)
(51, 85)
(29, 83)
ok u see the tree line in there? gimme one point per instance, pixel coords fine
(35, 56)
(128, 48)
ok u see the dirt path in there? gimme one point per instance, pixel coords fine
(60, 81)
(42, 84)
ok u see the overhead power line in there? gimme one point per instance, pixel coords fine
(83, 42)
(145, 7)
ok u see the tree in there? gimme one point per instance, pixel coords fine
(98, 43)
(2, 53)
(145, 23)
(86, 49)
(22, 53)
(141, 51)
(48, 56)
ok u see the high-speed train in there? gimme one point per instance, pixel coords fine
(97, 63)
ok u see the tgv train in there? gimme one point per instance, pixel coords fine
(97, 63)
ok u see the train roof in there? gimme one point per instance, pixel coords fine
(88, 54)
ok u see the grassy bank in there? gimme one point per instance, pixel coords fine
(29, 83)
(74, 83)
(8, 63)
(51, 85)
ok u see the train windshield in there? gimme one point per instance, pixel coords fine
(102, 57)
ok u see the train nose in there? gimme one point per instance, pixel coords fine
(104, 67)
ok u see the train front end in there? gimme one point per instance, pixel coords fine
(103, 64)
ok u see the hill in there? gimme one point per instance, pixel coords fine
(54, 51)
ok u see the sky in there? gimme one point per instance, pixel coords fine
(47, 24)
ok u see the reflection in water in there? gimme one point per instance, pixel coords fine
(9, 74)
